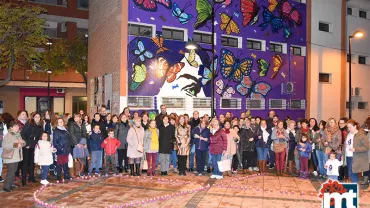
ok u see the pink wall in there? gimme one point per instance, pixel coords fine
(36, 92)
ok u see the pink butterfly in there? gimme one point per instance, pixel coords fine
(290, 13)
(151, 5)
(226, 3)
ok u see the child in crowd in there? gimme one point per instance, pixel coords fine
(332, 166)
(304, 148)
(110, 145)
(81, 155)
(95, 141)
(44, 156)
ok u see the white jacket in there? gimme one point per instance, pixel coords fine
(43, 153)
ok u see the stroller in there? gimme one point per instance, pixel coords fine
(52, 167)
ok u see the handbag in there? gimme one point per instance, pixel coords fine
(145, 163)
(7, 154)
(224, 164)
(140, 147)
(279, 147)
(70, 161)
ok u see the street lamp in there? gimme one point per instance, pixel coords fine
(356, 34)
(192, 45)
(48, 71)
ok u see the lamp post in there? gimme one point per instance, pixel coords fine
(357, 34)
(192, 45)
(49, 71)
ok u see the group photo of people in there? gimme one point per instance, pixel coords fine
(37, 148)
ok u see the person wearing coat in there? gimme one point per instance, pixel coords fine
(263, 143)
(135, 137)
(77, 130)
(201, 141)
(333, 136)
(62, 143)
(182, 134)
(101, 123)
(12, 141)
(120, 132)
(356, 149)
(31, 134)
(248, 147)
(151, 146)
(166, 143)
(302, 129)
(278, 136)
(95, 140)
(291, 143)
(217, 147)
(44, 156)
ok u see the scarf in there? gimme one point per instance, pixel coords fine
(305, 131)
(329, 131)
(227, 131)
(265, 134)
(124, 123)
(22, 121)
(62, 128)
(154, 145)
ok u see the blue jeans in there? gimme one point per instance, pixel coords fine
(333, 177)
(209, 159)
(215, 159)
(173, 158)
(271, 158)
(1, 161)
(96, 161)
(45, 171)
(262, 153)
(321, 158)
(352, 175)
(191, 156)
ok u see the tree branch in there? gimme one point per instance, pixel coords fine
(10, 69)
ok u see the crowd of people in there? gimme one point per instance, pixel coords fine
(74, 145)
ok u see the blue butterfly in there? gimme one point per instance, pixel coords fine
(287, 33)
(233, 68)
(269, 18)
(141, 52)
(180, 14)
(253, 89)
(207, 73)
(175, 86)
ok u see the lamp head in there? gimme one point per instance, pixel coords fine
(49, 71)
(358, 34)
(192, 45)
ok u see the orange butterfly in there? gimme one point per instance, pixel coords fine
(228, 24)
(272, 5)
(158, 41)
(277, 62)
(162, 68)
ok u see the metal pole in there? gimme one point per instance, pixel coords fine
(48, 90)
(350, 79)
(213, 57)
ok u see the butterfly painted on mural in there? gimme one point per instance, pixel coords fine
(223, 90)
(270, 19)
(158, 41)
(290, 13)
(180, 13)
(151, 5)
(152, 115)
(162, 68)
(162, 18)
(226, 3)
(207, 73)
(141, 52)
(272, 5)
(254, 55)
(138, 76)
(263, 67)
(232, 68)
(175, 86)
(228, 25)
(204, 10)
(253, 89)
(287, 33)
(249, 9)
(277, 63)
(191, 59)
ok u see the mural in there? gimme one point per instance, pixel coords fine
(161, 67)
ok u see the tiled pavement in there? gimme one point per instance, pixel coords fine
(101, 192)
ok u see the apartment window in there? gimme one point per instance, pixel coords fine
(229, 41)
(51, 32)
(79, 103)
(362, 14)
(277, 104)
(83, 4)
(140, 102)
(202, 38)
(298, 104)
(296, 50)
(140, 30)
(52, 2)
(173, 34)
(276, 47)
(201, 103)
(325, 27)
(255, 104)
(362, 105)
(349, 11)
(254, 44)
(82, 32)
(361, 59)
(40, 104)
(324, 77)
(231, 103)
(173, 102)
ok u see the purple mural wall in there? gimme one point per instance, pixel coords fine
(162, 67)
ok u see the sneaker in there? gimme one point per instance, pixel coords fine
(175, 170)
(256, 169)
(250, 169)
(213, 176)
(1, 179)
(44, 182)
(271, 167)
(89, 174)
(219, 177)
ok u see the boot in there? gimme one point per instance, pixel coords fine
(367, 190)
(72, 173)
(307, 175)
(138, 169)
(24, 182)
(229, 173)
(66, 172)
(132, 170)
(291, 167)
(365, 180)
(300, 174)
(277, 172)
(259, 166)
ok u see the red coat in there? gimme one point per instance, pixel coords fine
(218, 142)
(110, 145)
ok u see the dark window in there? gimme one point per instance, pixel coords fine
(297, 104)
(325, 27)
(143, 102)
(323, 77)
(277, 104)
(230, 103)
(202, 38)
(276, 47)
(173, 34)
(348, 57)
(82, 32)
(349, 11)
(362, 105)
(53, 2)
(83, 4)
(229, 41)
(361, 59)
(51, 32)
(347, 105)
(296, 51)
(362, 14)
(79, 103)
(253, 44)
(202, 103)
(139, 30)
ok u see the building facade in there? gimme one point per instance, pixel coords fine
(28, 87)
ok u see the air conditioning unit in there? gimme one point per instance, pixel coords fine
(61, 91)
(357, 91)
(287, 88)
(63, 27)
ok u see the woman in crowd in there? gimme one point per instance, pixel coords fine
(102, 125)
(86, 122)
(247, 144)
(217, 147)
(182, 135)
(22, 120)
(263, 143)
(333, 136)
(49, 122)
(320, 147)
(135, 149)
(115, 120)
(31, 133)
(365, 180)
(166, 143)
(12, 142)
(173, 157)
(78, 135)
(279, 137)
(109, 123)
(145, 120)
(291, 144)
(151, 146)
(314, 135)
(201, 134)
(356, 149)
(120, 132)
(5, 120)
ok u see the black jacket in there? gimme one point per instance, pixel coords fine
(245, 144)
(159, 120)
(77, 132)
(102, 125)
(31, 134)
(193, 123)
(166, 139)
(120, 132)
(62, 142)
